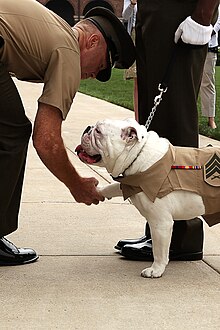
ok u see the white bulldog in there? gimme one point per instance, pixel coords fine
(161, 180)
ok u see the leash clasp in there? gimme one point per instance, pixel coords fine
(158, 98)
(162, 89)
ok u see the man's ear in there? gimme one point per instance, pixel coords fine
(129, 134)
(93, 41)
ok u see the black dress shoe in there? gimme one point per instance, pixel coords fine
(10, 255)
(143, 252)
(124, 242)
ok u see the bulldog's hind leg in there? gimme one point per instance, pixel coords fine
(111, 190)
(161, 233)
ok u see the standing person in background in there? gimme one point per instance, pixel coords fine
(207, 89)
(160, 25)
(129, 15)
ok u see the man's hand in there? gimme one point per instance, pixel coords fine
(193, 33)
(197, 29)
(84, 191)
(133, 2)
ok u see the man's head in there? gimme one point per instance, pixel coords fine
(108, 44)
(93, 49)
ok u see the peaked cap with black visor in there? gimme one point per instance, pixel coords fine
(120, 47)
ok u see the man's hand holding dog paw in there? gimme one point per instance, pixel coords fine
(86, 191)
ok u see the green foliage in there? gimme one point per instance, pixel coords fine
(120, 91)
(117, 90)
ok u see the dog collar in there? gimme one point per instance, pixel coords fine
(122, 175)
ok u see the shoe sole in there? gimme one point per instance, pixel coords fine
(187, 257)
(2, 263)
(181, 257)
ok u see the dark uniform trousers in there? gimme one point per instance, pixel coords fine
(176, 117)
(15, 132)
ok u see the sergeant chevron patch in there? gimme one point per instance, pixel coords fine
(212, 171)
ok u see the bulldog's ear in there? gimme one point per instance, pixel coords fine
(129, 134)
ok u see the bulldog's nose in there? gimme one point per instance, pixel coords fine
(88, 130)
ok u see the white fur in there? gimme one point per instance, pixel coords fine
(126, 147)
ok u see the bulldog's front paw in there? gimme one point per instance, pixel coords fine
(111, 190)
(104, 191)
(153, 272)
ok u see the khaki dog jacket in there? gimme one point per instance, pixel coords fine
(181, 168)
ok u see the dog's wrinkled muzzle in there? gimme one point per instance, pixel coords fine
(82, 154)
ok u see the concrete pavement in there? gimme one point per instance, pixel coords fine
(80, 282)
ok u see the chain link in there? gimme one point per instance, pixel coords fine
(157, 101)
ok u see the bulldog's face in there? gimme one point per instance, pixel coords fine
(112, 144)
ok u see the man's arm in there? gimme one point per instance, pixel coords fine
(49, 145)
(204, 11)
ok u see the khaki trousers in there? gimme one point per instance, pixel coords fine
(207, 89)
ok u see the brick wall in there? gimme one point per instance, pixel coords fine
(80, 6)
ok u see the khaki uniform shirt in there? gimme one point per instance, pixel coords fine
(160, 179)
(39, 46)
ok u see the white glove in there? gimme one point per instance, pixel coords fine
(193, 33)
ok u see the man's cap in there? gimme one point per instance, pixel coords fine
(120, 47)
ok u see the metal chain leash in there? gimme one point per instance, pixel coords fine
(157, 101)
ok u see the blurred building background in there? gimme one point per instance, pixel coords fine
(73, 10)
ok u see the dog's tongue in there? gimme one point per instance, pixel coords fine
(84, 157)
